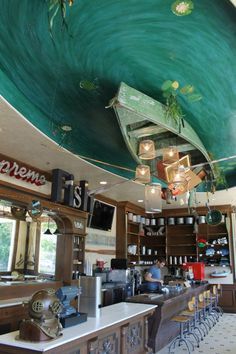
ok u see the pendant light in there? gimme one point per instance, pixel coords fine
(142, 174)
(57, 232)
(153, 201)
(179, 180)
(48, 231)
(147, 150)
(170, 155)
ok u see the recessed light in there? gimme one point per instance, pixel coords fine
(103, 182)
(140, 200)
(66, 128)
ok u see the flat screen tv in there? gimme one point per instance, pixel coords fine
(102, 216)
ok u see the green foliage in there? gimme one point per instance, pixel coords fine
(48, 249)
(48, 245)
(171, 91)
(53, 8)
(218, 177)
(5, 242)
(220, 180)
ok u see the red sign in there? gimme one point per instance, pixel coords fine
(12, 169)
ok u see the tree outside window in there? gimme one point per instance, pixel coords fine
(7, 235)
(47, 251)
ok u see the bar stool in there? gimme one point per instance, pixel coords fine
(184, 322)
(195, 327)
(212, 313)
(216, 292)
(202, 313)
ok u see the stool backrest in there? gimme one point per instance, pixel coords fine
(214, 290)
(207, 294)
(191, 304)
(201, 297)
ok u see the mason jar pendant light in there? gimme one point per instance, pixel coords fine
(170, 155)
(179, 179)
(153, 201)
(147, 150)
(142, 174)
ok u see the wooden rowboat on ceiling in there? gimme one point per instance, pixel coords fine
(141, 117)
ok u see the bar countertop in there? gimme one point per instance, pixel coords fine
(110, 315)
(166, 298)
(161, 330)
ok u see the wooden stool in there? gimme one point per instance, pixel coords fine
(216, 292)
(202, 313)
(213, 315)
(191, 311)
(181, 338)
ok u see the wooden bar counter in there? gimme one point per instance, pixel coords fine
(121, 328)
(160, 329)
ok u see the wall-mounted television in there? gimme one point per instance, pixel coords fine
(102, 216)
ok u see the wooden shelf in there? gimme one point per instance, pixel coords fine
(217, 233)
(181, 235)
(182, 254)
(132, 233)
(182, 244)
(177, 240)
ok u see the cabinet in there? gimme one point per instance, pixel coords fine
(217, 248)
(11, 316)
(228, 298)
(141, 244)
(70, 249)
(78, 256)
(177, 239)
(181, 244)
(145, 243)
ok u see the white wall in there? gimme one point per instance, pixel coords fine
(100, 245)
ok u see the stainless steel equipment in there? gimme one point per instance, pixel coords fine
(119, 286)
(90, 298)
(119, 275)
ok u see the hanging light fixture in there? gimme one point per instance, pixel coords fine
(171, 170)
(142, 174)
(56, 232)
(48, 231)
(170, 155)
(179, 180)
(153, 201)
(147, 150)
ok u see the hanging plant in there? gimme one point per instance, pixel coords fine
(55, 6)
(182, 8)
(220, 179)
(173, 108)
(170, 91)
(217, 177)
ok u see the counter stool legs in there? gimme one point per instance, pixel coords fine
(217, 291)
(181, 338)
(190, 332)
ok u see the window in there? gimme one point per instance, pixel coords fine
(7, 237)
(47, 250)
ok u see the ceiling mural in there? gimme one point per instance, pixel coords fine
(62, 62)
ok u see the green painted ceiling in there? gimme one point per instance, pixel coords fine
(69, 80)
